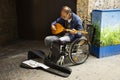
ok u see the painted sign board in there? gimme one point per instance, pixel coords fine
(106, 40)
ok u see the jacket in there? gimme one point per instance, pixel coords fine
(76, 23)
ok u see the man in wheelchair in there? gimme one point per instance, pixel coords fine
(57, 43)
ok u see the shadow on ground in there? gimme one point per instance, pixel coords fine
(14, 53)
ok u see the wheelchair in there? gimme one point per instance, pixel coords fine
(76, 51)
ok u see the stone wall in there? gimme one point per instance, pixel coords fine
(82, 8)
(86, 6)
(8, 21)
(103, 4)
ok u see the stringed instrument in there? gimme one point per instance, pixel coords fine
(60, 29)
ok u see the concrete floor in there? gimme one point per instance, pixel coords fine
(14, 53)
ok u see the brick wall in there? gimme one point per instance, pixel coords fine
(8, 21)
(85, 7)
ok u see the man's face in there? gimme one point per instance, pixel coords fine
(64, 15)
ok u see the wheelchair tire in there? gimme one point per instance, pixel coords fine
(79, 49)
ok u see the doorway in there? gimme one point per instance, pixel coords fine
(35, 16)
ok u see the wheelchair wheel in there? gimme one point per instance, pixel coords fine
(79, 51)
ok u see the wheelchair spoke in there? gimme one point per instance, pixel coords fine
(82, 42)
(76, 59)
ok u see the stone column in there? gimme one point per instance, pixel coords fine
(82, 8)
(85, 7)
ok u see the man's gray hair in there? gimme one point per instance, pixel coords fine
(67, 9)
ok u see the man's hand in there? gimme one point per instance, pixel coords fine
(73, 31)
(53, 27)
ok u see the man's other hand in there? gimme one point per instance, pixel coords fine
(53, 27)
(73, 31)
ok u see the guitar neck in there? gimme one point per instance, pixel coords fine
(68, 30)
(81, 31)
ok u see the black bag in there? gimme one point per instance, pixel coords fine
(53, 68)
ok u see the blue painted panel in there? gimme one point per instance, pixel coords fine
(105, 51)
(107, 32)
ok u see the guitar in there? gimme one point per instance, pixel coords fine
(60, 29)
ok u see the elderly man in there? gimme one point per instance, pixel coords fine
(69, 20)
